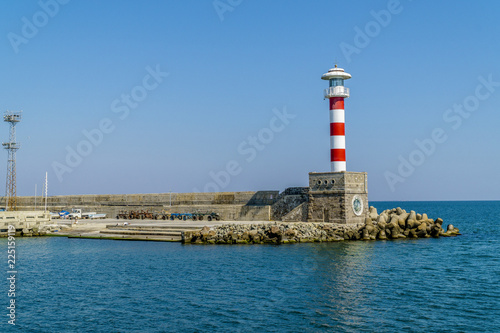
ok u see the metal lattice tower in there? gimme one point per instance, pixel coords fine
(12, 146)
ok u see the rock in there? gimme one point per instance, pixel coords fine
(422, 226)
(399, 211)
(382, 218)
(381, 225)
(204, 232)
(275, 230)
(381, 235)
(412, 216)
(424, 217)
(421, 233)
(394, 234)
(402, 222)
(412, 224)
(435, 231)
(369, 228)
(394, 220)
(366, 235)
(419, 217)
(439, 220)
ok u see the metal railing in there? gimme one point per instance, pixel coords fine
(338, 91)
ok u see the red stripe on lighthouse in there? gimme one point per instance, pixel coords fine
(337, 155)
(337, 129)
(336, 103)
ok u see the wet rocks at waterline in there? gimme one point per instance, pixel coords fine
(390, 224)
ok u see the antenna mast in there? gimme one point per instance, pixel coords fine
(12, 146)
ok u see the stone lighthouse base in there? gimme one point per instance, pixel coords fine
(338, 197)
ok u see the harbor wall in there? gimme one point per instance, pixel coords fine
(248, 206)
(329, 198)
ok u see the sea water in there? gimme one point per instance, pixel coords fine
(422, 285)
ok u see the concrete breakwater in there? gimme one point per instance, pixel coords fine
(390, 224)
(27, 223)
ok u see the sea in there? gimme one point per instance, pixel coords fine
(424, 285)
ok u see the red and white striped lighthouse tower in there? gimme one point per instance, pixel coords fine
(336, 94)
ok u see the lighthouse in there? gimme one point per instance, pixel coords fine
(338, 196)
(336, 93)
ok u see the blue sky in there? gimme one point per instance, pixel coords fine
(226, 95)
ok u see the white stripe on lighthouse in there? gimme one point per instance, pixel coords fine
(338, 166)
(337, 142)
(337, 116)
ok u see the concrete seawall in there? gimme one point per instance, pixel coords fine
(230, 205)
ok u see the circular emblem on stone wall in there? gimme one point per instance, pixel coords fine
(357, 205)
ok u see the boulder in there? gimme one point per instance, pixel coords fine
(245, 236)
(394, 220)
(436, 231)
(381, 225)
(422, 226)
(382, 218)
(412, 224)
(381, 235)
(402, 222)
(365, 235)
(394, 233)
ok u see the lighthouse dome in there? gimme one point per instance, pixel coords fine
(336, 73)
